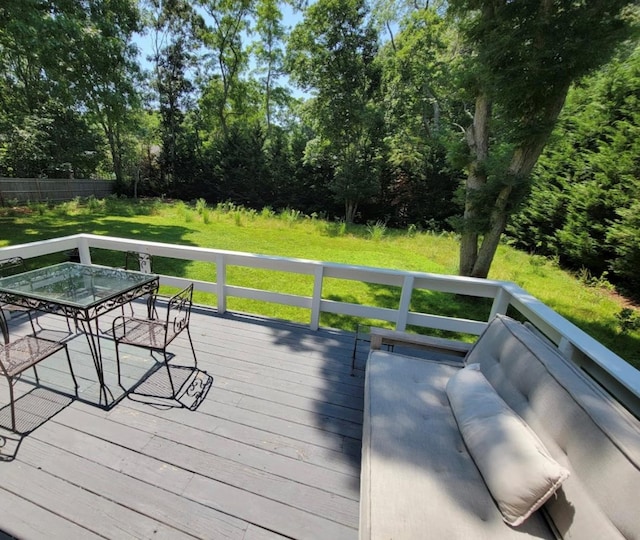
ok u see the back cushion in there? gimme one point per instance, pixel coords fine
(583, 428)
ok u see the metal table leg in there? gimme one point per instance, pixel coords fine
(93, 340)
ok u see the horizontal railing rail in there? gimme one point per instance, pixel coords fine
(613, 372)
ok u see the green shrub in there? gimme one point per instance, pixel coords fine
(376, 230)
(290, 216)
(628, 320)
(267, 213)
(201, 206)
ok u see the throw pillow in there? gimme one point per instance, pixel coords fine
(516, 467)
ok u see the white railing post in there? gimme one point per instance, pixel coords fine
(221, 283)
(316, 300)
(84, 251)
(569, 351)
(405, 303)
(500, 303)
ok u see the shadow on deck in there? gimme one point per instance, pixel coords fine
(273, 450)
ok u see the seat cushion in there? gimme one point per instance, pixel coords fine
(583, 428)
(418, 480)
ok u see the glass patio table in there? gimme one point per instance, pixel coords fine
(80, 292)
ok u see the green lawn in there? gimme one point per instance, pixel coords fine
(289, 234)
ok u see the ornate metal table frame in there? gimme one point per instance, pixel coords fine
(82, 293)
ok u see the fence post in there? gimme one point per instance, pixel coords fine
(317, 296)
(84, 251)
(500, 303)
(221, 282)
(405, 303)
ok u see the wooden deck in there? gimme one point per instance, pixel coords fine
(272, 452)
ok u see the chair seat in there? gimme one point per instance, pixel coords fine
(25, 352)
(141, 332)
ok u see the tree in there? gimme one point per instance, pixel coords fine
(269, 54)
(174, 25)
(523, 57)
(583, 205)
(419, 108)
(331, 53)
(44, 130)
(229, 19)
(97, 66)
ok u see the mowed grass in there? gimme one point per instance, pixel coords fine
(290, 234)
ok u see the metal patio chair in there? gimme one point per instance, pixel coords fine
(134, 260)
(141, 262)
(9, 267)
(156, 335)
(23, 353)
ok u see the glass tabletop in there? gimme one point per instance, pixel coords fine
(74, 284)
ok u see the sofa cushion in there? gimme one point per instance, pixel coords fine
(418, 480)
(517, 468)
(582, 427)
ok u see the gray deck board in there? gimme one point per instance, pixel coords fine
(273, 451)
(22, 518)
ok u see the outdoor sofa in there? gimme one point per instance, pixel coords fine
(569, 443)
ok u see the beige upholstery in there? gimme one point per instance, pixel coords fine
(515, 466)
(582, 427)
(418, 481)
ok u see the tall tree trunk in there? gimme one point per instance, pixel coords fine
(350, 209)
(491, 238)
(478, 140)
(522, 163)
(110, 132)
(267, 99)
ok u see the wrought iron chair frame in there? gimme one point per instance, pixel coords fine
(136, 260)
(10, 264)
(141, 262)
(155, 335)
(39, 349)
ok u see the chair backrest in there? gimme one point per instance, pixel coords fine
(12, 265)
(134, 260)
(179, 312)
(4, 327)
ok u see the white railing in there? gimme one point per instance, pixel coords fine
(618, 376)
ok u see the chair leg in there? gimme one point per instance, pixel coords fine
(152, 313)
(192, 348)
(35, 371)
(13, 405)
(75, 323)
(69, 324)
(33, 328)
(130, 304)
(166, 363)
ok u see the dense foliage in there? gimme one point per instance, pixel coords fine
(584, 206)
(426, 114)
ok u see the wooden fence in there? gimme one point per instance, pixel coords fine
(51, 189)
